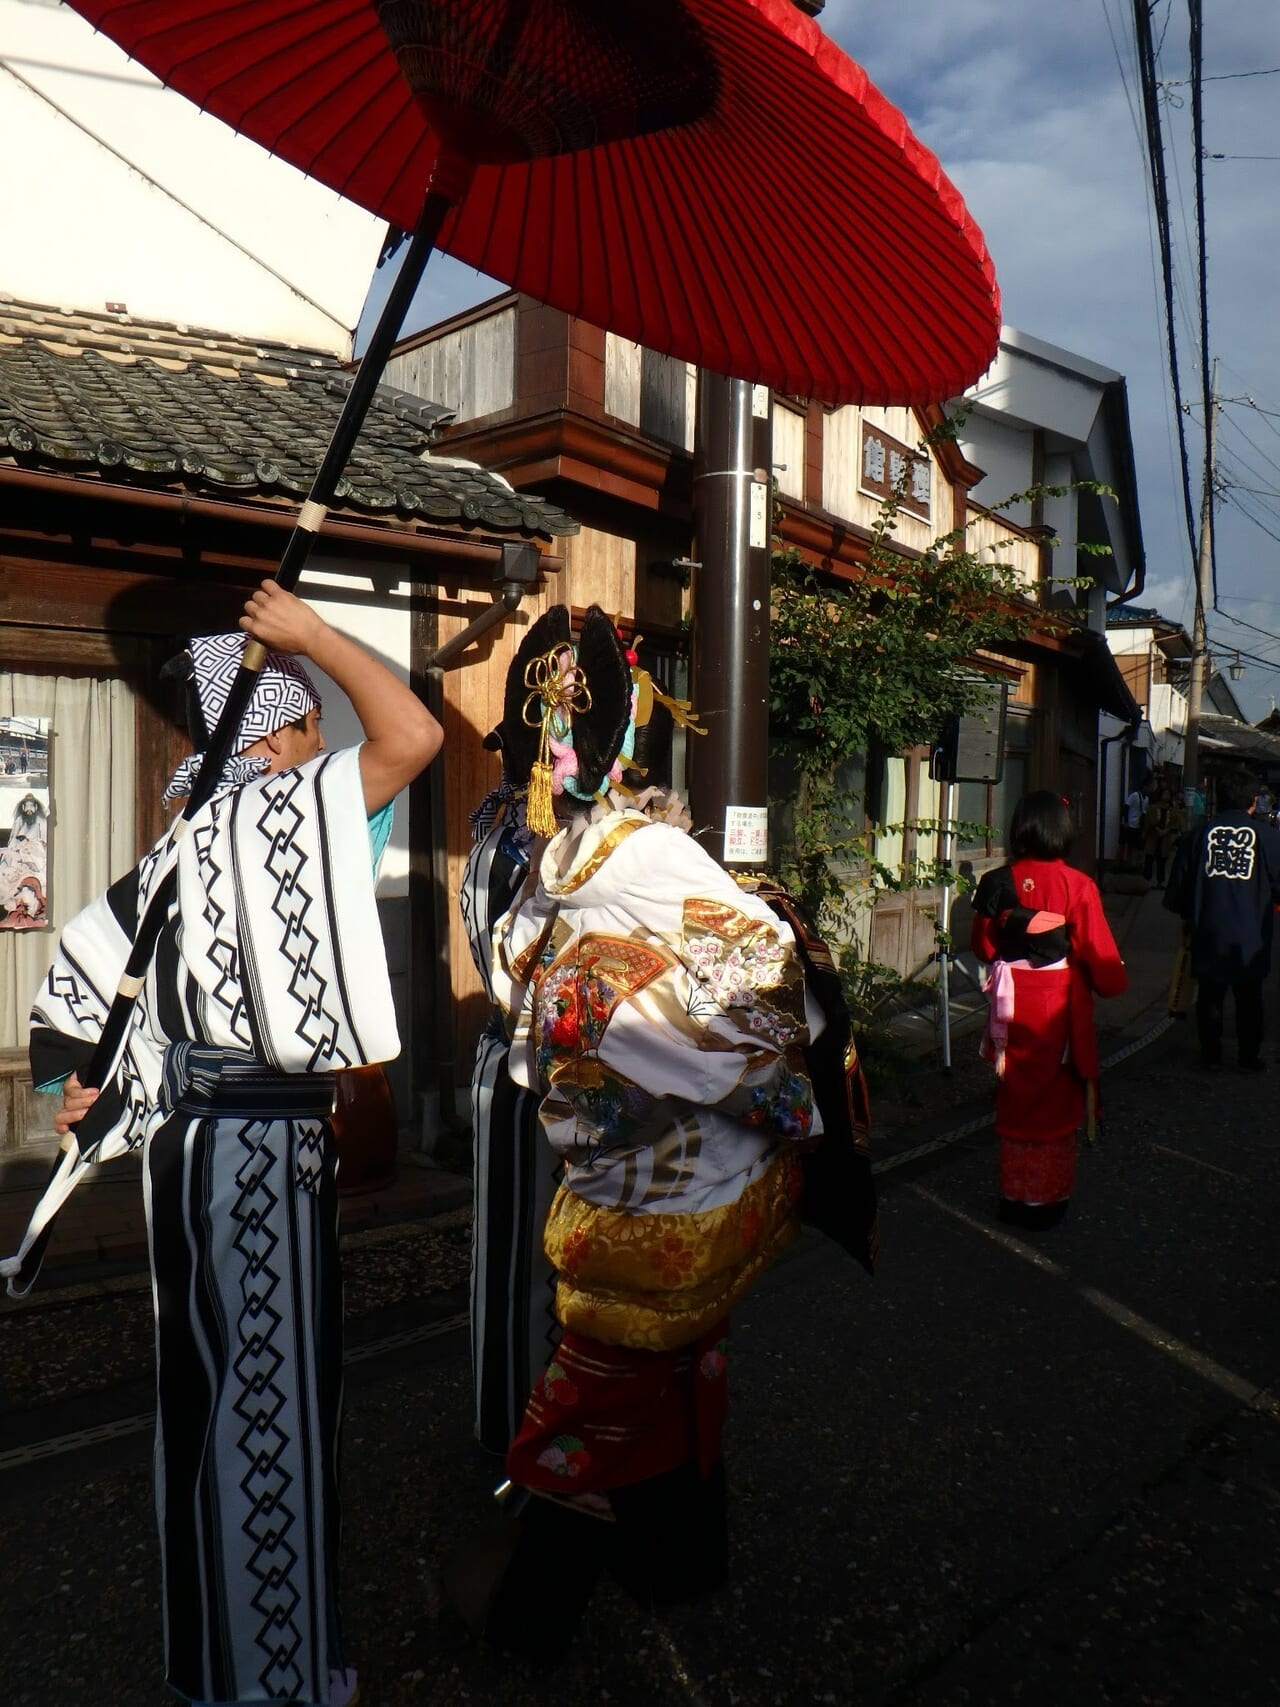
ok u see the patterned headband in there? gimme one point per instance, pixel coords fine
(283, 693)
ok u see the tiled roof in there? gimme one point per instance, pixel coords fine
(1258, 745)
(1130, 616)
(154, 404)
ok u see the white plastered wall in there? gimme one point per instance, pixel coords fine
(101, 159)
(375, 612)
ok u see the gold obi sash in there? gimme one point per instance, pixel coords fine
(656, 1282)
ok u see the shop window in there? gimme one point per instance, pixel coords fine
(890, 840)
(970, 804)
(927, 809)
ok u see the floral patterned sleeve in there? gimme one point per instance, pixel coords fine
(668, 996)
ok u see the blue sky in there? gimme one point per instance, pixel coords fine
(1029, 111)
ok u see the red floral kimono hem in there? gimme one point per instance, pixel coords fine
(606, 1416)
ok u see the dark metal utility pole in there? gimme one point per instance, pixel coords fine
(733, 520)
(729, 766)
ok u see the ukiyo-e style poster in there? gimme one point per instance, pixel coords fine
(24, 823)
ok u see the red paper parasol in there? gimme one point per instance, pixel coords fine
(712, 178)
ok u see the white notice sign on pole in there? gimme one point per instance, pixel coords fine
(746, 834)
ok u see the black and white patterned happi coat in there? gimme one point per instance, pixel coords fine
(268, 977)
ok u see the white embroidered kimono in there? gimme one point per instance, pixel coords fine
(267, 977)
(660, 1010)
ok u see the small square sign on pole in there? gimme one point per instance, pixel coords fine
(971, 748)
(746, 835)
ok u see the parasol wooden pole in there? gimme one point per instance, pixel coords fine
(448, 185)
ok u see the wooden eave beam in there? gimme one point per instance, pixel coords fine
(1016, 529)
(838, 548)
(455, 323)
(602, 456)
(403, 542)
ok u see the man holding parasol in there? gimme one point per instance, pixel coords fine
(267, 978)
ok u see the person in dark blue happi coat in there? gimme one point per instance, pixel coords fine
(1225, 884)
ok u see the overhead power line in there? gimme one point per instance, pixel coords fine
(1238, 503)
(1252, 658)
(1207, 388)
(1160, 198)
(1218, 77)
(1113, 30)
(1241, 623)
(1253, 446)
(1253, 491)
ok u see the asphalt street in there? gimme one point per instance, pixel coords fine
(1037, 1468)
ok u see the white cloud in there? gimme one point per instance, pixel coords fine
(1025, 107)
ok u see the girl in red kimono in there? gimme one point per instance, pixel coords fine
(1040, 927)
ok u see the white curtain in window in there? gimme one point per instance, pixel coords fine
(889, 841)
(91, 832)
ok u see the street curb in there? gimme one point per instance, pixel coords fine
(981, 1122)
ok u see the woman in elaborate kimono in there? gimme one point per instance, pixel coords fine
(267, 979)
(1040, 926)
(660, 1012)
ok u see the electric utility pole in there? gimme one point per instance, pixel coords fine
(1204, 594)
(729, 679)
(729, 766)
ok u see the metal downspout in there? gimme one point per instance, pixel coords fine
(1125, 734)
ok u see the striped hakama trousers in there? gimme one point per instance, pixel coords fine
(243, 1233)
(513, 1323)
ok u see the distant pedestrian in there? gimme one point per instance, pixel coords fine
(1131, 821)
(1225, 884)
(1040, 926)
(1158, 836)
(1177, 823)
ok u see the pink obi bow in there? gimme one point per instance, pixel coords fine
(999, 991)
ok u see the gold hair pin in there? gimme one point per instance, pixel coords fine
(554, 696)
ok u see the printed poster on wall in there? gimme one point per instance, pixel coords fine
(24, 823)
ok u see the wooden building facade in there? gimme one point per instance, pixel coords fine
(607, 429)
(149, 478)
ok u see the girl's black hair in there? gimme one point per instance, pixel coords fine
(1041, 826)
